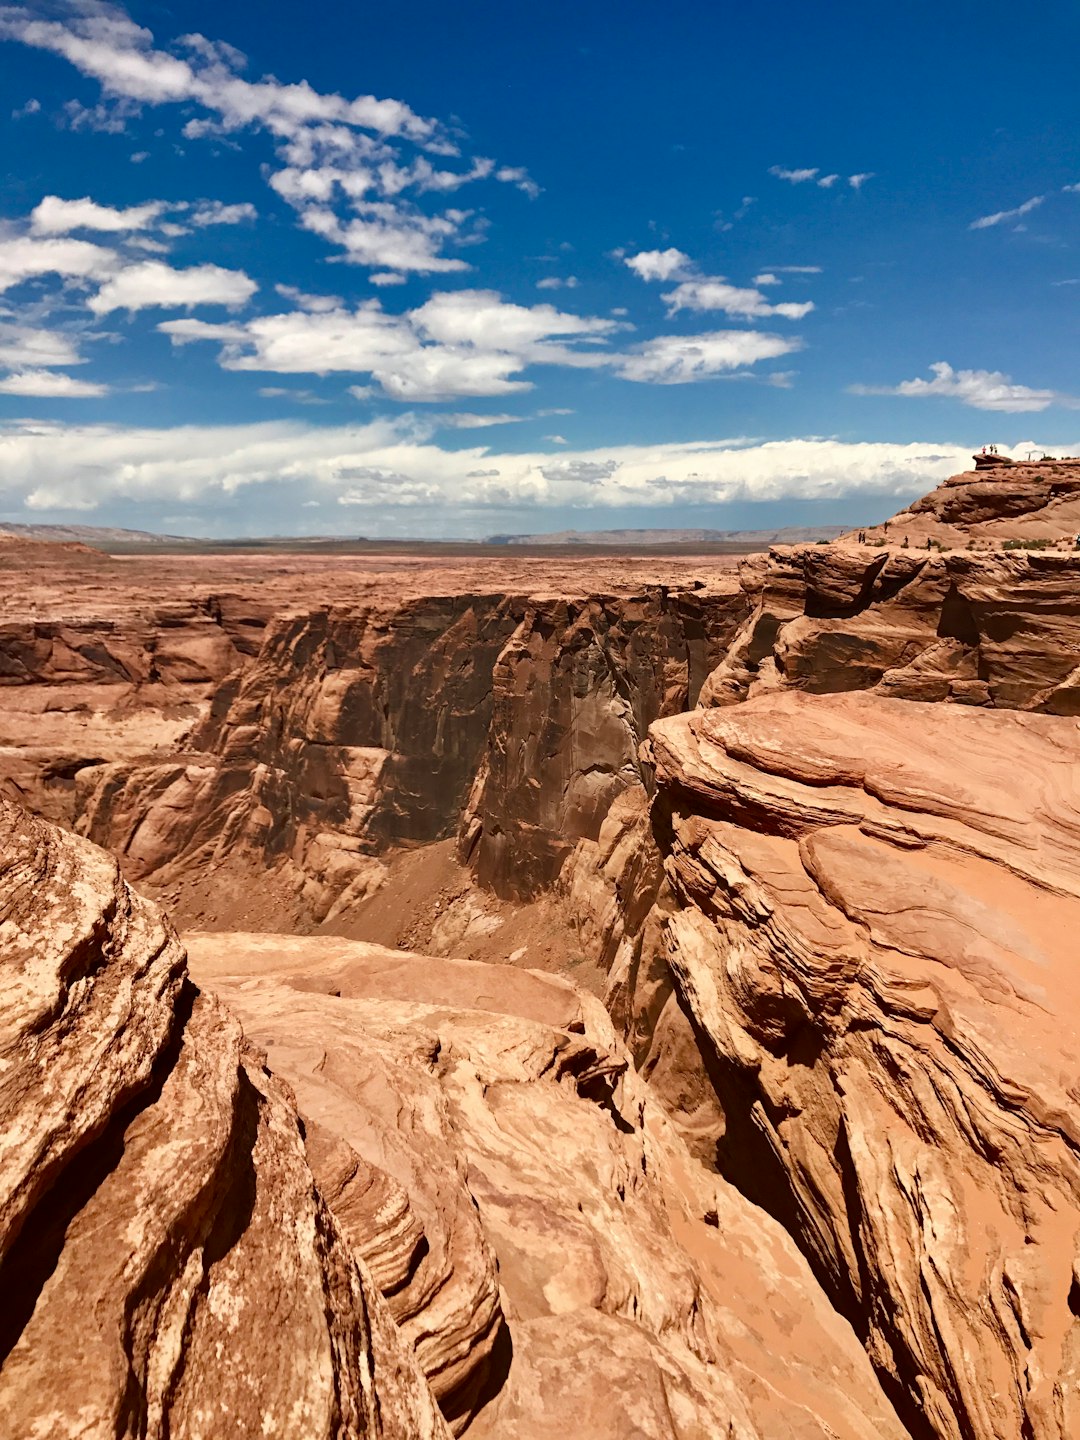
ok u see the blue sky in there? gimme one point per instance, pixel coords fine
(448, 270)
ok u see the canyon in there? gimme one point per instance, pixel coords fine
(521, 995)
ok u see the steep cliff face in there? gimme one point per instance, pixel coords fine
(360, 728)
(865, 918)
(574, 692)
(168, 1267)
(995, 629)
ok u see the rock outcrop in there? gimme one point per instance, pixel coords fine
(167, 1264)
(559, 1261)
(477, 1192)
(1031, 501)
(865, 916)
(1000, 629)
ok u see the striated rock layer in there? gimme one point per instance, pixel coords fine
(992, 629)
(168, 1267)
(362, 727)
(560, 1263)
(478, 1190)
(865, 918)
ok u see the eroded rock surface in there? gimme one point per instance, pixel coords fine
(995, 629)
(559, 1261)
(1037, 500)
(867, 915)
(167, 1265)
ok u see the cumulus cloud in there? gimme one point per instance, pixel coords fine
(1002, 217)
(555, 282)
(659, 264)
(25, 257)
(151, 284)
(342, 164)
(466, 342)
(794, 177)
(701, 293)
(712, 292)
(679, 359)
(981, 389)
(57, 467)
(31, 347)
(54, 216)
(50, 384)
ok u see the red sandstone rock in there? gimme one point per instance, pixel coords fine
(167, 1265)
(869, 916)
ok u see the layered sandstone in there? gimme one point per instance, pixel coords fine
(168, 1266)
(991, 629)
(558, 1260)
(362, 727)
(1034, 501)
(865, 915)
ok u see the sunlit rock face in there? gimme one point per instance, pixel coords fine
(168, 1266)
(998, 629)
(355, 729)
(438, 1198)
(574, 692)
(865, 918)
(545, 1240)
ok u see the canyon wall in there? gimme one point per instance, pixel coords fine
(414, 1181)
(360, 728)
(997, 628)
(864, 914)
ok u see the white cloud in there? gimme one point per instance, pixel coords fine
(29, 347)
(797, 269)
(795, 177)
(554, 282)
(981, 389)
(334, 150)
(318, 304)
(154, 284)
(1071, 189)
(24, 257)
(712, 292)
(1000, 217)
(215, 212)
(42, 384)
(828, 181)
(516, 175)
(54, 216)
(659, 264)
(387, 277)
(467, 421)
(680, 359)
(767, 277)
(32, 107)
(57, 467)
(858, 181)
(465, 343)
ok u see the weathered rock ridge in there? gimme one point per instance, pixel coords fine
(995, 629)
(865, 916)
(357, 728)
(167, 1265)
(1031, 501)
(477, 1192)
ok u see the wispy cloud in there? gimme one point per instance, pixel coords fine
(981, 389)
(1002, 217)
(702, 293)
(813, 174)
